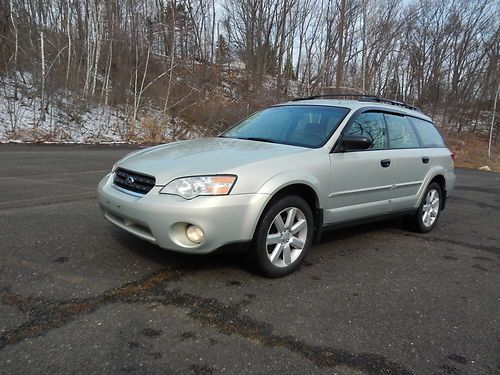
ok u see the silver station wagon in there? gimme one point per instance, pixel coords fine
(282, 176)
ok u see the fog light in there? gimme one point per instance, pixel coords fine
(194, 234)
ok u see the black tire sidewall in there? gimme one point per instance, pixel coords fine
(259, 249)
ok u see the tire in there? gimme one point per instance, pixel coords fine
(427, 215)
(273, 237)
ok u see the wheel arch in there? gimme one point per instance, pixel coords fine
(301, 189)
(441, 181)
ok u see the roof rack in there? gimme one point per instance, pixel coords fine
(393, 102)
(363, 98)
(333, 96)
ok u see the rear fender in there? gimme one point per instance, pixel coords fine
(433, 172)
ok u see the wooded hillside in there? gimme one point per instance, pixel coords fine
(167, 69)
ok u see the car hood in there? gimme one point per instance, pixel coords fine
(202, 157)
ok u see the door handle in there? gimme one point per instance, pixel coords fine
(425, 159)
(385, 163)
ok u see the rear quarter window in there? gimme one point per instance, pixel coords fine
(401, 133)
(428, 133)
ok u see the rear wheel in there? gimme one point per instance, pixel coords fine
(283, 236)
(426, 217)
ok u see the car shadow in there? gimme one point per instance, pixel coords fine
(234, 256)
(230, 257)
(337, 234)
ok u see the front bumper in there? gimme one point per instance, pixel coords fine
(162, 219)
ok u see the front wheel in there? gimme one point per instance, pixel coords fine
(427, 215)
(283, 236)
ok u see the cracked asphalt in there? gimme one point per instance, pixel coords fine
(80, 296)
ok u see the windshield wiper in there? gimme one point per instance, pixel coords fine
(258, 139)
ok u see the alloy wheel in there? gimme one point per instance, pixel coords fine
(430, 209)
(286, 237)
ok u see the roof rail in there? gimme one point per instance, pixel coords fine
(363, 98)
(389, 101)
(333, 96)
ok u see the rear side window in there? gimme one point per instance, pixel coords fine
(401, 133)
(429, 135)
(371, 125)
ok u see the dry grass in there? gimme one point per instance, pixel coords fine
(33, 135)
(153, 130)
(472, 151)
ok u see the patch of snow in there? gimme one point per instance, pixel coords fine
(64, 119)
(24, 117)
(485, 168)
(238, 63)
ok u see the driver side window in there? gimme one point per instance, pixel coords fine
(371, 125)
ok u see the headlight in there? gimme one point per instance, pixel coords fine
(191, 187)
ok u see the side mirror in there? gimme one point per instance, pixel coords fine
(354, 142)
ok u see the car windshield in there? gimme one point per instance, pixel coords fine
(298, 125)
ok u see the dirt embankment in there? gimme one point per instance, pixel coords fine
(472, 152)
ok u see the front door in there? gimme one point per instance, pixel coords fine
(361, 181)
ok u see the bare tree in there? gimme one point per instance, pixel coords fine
(177, 57)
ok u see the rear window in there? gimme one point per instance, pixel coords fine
(429, 135)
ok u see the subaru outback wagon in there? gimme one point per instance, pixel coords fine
(282, 176)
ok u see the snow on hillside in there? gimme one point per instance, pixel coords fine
(22, 118)
(66, 120)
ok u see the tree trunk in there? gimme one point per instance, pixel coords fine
(340, 59)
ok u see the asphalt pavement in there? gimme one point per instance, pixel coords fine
(80, 296)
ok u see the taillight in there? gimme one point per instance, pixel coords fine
(452, 156)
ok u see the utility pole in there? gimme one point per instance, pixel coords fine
(493, 122)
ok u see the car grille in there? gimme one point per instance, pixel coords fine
(133, 181)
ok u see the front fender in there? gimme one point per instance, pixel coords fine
(280, 181)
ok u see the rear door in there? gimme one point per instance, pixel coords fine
(434, 148)
(410, 162)
(361, 181)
